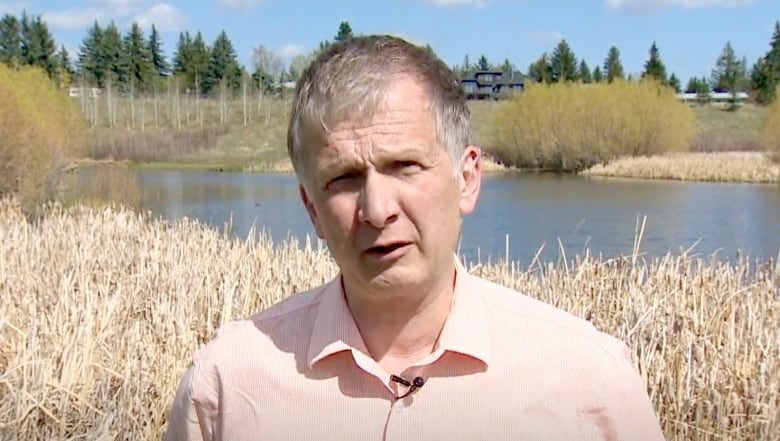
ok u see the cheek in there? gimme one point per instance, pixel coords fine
(338, 214)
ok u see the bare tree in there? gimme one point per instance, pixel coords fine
(267, 61)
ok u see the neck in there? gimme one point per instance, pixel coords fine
(402, 327)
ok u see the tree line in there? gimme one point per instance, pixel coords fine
(135, 62)
(730, 73)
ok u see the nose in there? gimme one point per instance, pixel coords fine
(378, 201)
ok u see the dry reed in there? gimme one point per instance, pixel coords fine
(102, 309)
(749, 167)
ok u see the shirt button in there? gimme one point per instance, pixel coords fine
(399, 406)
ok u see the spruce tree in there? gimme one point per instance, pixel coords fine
(584, 73)
(483, 63)
(766, 72)
(730, 73)
(674, 82)
(65, 72)
(38, 47)
(156, 53)
(613, 67)
(223, 65)
(344, 33)
(541, 70)
(654, 67)
(112, 52)
(563, 63)
(10, 41)
(598, 76)
(137, 59)
(90, 63)
(199, 63)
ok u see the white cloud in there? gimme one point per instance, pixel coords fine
(238, 4)
(476, 3)
(75, 18)
(658, 4)
(164, 16)
(544, 37)
(12, 8)
(290, 51)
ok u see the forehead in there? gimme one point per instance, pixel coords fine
(400, 120)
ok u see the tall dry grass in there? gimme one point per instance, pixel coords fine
(102, 309)
(747, 167)
(569, 127)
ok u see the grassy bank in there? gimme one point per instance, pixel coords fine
(749, 167)
(258, 143)
(102, 310)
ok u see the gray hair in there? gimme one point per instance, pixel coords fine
(349, 79)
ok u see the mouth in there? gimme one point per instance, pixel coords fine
(387, 251)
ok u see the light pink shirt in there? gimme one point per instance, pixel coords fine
(507, 367)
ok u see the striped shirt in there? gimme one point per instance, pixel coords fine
(506, 367)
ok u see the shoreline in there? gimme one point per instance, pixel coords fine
(715, 167)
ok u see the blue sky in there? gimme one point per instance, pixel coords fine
(690, 33)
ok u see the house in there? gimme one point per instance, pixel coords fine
(716, 98)
(79, 92)
(490, 84)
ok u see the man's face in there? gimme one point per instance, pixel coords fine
(386, 198)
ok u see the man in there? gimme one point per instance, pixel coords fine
(403, 344)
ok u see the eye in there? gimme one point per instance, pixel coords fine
(407, 166)
(342, 179)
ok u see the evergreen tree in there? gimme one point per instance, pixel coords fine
(584, 73)
(156, 53)
(191, 60)
(467, 69)
(598, 76)
(112, 52)
(38, 47)
(563, 63)
(613, 67)
(10, 41)
(182, 57)
(65, 72)
(541, 70)
(730, 73)
(344, 33)
(766, 72)
(483, 63)
(654, 67)
(507, 66)
(223, 65)
(674, 82)
(137, 59)
(700, 87)
(90, 63)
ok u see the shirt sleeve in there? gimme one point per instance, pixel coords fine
(189, 419)
(629, 414)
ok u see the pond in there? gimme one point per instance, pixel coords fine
(519, 215)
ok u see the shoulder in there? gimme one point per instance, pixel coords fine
(284, 327)
(522, 316)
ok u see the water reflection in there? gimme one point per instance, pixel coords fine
(557, 213)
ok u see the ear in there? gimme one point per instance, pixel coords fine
(311, 210)
(470, 178)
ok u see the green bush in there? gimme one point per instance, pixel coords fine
(770, 129)
(40, 130)
(570, 127)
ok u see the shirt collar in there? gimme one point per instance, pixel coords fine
(466, 330)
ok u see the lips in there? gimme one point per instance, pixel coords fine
(387, 250)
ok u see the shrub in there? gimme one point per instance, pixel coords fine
(570, 127)
(770, 130)
(40, 130)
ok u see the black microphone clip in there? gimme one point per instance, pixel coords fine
(415, 384)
